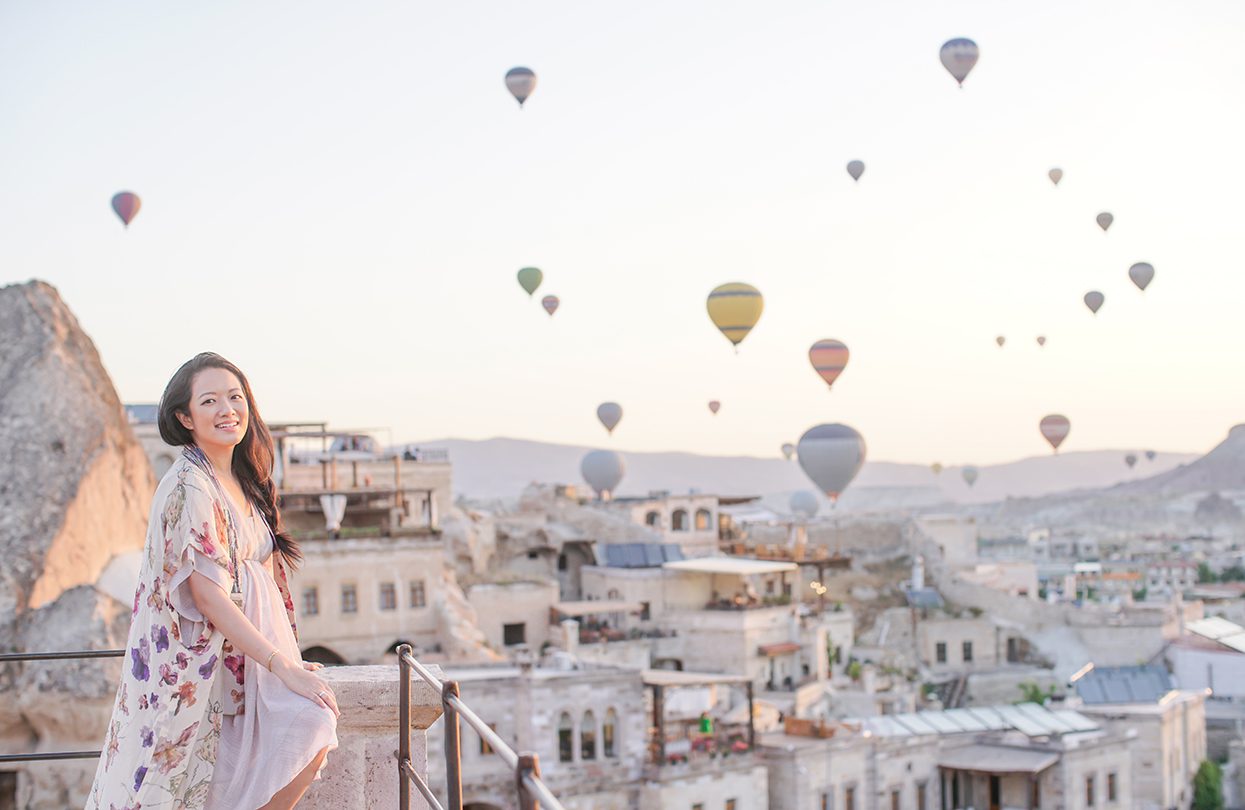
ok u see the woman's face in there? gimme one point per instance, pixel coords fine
(218, 413)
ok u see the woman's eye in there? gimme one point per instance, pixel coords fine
(208, 401)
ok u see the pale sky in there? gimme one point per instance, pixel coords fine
(337, 197)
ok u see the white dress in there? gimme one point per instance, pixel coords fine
(278, 732)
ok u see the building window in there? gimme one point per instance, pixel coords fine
(1111, 795)
(849, 798)
(730, 804)
(698, 806)
(608, 732)
(646, 611)
(703, 518)
(678, 520)
(940, 652)
(653, 519)
(350, 599)
(513, 634)
(588, 737)
(311, 601)
(920, 796)
(566, 734)
(825, 801)
(1089, 791)
(968, 652)
(388, 596)
(562, 562)
(895, 799)
(485, 748)
(418, 597)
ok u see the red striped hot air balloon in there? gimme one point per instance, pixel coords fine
(1055, 429)
(550, 303)
(829, 357)
(126, 204)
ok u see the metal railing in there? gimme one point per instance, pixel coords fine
(532, 792)
(55, 656)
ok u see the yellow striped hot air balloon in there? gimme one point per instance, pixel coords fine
(734, 309)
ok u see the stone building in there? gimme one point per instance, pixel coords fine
(689, 521)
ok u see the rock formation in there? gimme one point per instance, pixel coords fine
(75, 488)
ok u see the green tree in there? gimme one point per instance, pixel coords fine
(1031, 692)
(854, 670)
(1208, 787)
(1204, 574)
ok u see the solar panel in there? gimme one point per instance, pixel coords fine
(1236, 642)
(1077, 720)
(914, 723)
(966, 720)
(1215, 628)
(653, 557)
(672, 552)
(1048, 719)
(885, 726)
(1021, 722)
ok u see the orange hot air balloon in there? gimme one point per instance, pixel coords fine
(126, 204)
(1055, 429)
(714, 406)
(829, 357)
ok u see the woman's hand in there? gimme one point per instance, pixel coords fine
(301, 680)
(312, 666)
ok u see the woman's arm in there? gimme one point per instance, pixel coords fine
(225, 616)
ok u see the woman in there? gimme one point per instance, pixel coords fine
(216, 708)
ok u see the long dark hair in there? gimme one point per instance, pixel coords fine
(252, 458)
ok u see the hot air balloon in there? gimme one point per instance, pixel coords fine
(1000, 340)
(126, 204)
(1041, 340)
(831, 455)
(936, 468)
(1104, 220)
(1094, 300)
(1130, 460)
(520, 81)
(550, 303)
(970, 475)
(714, 406)
(530, 278)
(804, 504)
(1055, 429)
(1055, 175)
(1142, 273)
(734, 309)
(603, 470)
(829, 358)
(958, 57)
(610, 413)
(788, 450)
(855, 168)
(1150, 454)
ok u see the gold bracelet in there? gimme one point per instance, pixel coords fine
(268, 663)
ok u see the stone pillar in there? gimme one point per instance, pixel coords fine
(362, 774)
(570, 636)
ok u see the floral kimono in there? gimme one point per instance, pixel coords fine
(180, 675)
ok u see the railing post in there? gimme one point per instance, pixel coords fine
(453, 747)
(404, 721)
(529, 763)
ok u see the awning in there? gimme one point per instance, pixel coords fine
(782, 648)
(730, 565)
(591, 607)
(997, 759)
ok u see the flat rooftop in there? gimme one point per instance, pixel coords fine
(736, 566)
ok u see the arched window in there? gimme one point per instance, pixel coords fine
(609, 732)
(703, 516)
(653, 519)
(566, 742)
(588, 737)
(678, 521)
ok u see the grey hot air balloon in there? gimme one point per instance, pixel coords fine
(804, 504)
(1142, 273)
(855, 168)
(788, 450)
(1104, 220)
(1055, 175)
(603, 470)
(1000, 340)
(831, 455)
(958, 57)
(610, 413)
(1150, 454)
(1094, 300)
(1130, 460)
(970, 475)
(520, 81)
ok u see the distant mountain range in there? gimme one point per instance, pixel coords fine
(501, 468)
